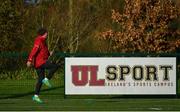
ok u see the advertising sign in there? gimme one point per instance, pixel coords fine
(120, 76)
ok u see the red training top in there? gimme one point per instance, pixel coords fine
(39, 53)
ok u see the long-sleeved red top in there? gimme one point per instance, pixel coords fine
(39, 53)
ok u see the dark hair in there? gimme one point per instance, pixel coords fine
(42, 31)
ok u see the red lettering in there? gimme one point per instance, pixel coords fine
(76, 70)
(75, 75)
(94, 81)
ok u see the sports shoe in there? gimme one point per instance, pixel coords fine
(37, 99)
(46, 82)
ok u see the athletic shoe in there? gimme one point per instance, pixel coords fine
(37, 99)
(46, 82)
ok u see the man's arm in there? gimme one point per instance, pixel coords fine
(33, 52)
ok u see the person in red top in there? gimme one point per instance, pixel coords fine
(39, 59)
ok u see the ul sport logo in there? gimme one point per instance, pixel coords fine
(80, 76)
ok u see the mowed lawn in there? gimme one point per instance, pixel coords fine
(16, 95)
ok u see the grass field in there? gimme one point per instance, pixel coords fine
(16, 95)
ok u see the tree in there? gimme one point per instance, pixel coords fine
(11, 32)
(144, 26)
(10, 26)
(75, 21)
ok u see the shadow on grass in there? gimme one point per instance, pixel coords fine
(146, 96)
(121, 97)
(29, 93)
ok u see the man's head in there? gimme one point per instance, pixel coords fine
(42, 32)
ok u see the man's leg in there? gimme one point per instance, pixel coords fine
(41, 76)
(52, 68)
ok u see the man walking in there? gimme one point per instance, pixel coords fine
(39, 59)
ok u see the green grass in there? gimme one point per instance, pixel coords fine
(16, 95)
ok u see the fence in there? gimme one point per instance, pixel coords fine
(18, 81)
